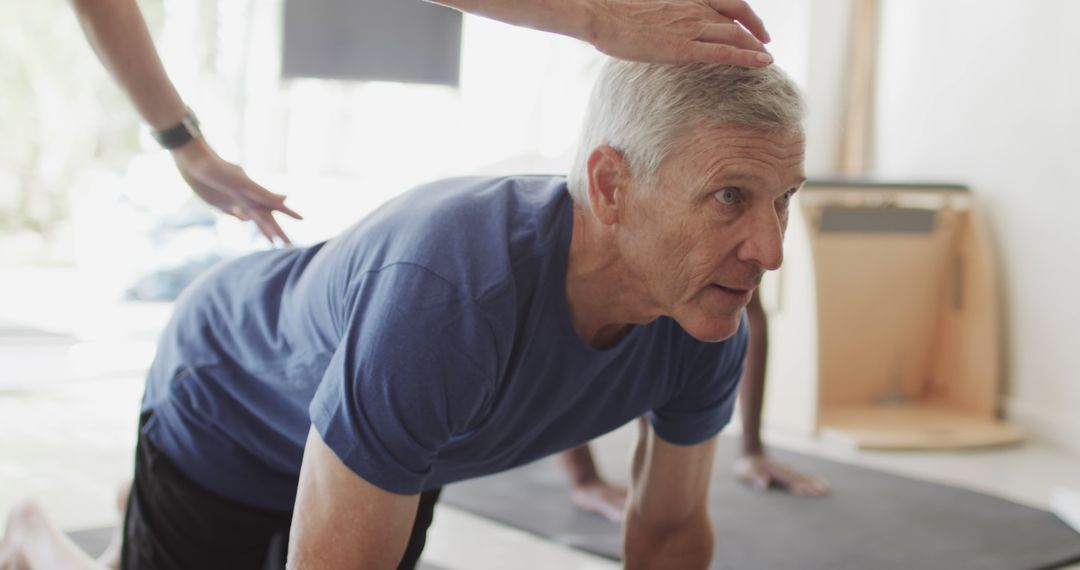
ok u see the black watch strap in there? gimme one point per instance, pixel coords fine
(179, 135)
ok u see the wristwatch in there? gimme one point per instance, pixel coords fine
(178, 135)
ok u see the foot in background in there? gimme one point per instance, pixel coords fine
(589, 491)
(31, 541)
(600, 497)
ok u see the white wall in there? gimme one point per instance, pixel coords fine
(987, 93)
(826, 54)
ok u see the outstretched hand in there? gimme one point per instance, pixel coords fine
(227, 187)
(680, 31)
(760, 473)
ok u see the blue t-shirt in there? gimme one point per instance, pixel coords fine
(428, 344)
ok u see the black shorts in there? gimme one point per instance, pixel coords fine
(172, 523)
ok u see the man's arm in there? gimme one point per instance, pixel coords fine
(117, 32)
(755, 467)
(667, 520)
(752, 387)
(657, 31)
(342, 521)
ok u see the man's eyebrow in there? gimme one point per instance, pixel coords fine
(735, 177)
(747, 177)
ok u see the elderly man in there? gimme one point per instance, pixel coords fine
(472, 325)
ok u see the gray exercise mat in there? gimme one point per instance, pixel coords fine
(94, 541)
(870, 521)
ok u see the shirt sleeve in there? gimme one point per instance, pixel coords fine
(415, 365)
(706, 402)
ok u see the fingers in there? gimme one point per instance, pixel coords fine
(760, 473)
(741, 12)
(752, 473)
(806, 489)
(268, 199)
(722, 53)
(262, 218)
(264, 229)
(269, 227)
(238, 213)
(798, 483)
(247, 201)
(731, 34)
(759, 481)
(227, 187)
(288, 211)
(810, 487)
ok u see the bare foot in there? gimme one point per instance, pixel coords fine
(760, 473)
(32, 542)
(600, 497)
(12, 556)
(111, 557)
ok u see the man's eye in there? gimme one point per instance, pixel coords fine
(786, 198)
(727, 196)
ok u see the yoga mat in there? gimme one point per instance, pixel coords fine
(870, 520)
(93, 542)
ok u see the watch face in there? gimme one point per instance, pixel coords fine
(177, 136)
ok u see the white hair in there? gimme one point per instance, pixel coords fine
(642, 110)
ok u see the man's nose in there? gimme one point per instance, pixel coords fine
(764, 244)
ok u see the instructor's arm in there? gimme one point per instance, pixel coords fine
(117, 32)
(653, 31)
(342, 521)
(667, 521)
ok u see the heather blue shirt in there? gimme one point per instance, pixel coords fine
(428, 344)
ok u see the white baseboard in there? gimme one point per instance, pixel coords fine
(1054, 426)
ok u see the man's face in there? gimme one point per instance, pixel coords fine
(699, 239)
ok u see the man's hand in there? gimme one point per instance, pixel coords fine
(760, 473)
(227, 187)
(680, 31)
(651, 31)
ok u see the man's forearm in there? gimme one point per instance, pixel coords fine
(117, 32)
(689, 545)
(752, 388)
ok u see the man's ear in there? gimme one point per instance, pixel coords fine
(609, 175)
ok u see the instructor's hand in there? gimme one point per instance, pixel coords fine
(227, 187)
(760, 472)
(680, 31)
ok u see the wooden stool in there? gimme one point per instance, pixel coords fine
(884, 322)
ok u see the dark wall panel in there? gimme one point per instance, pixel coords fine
(372, 40)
